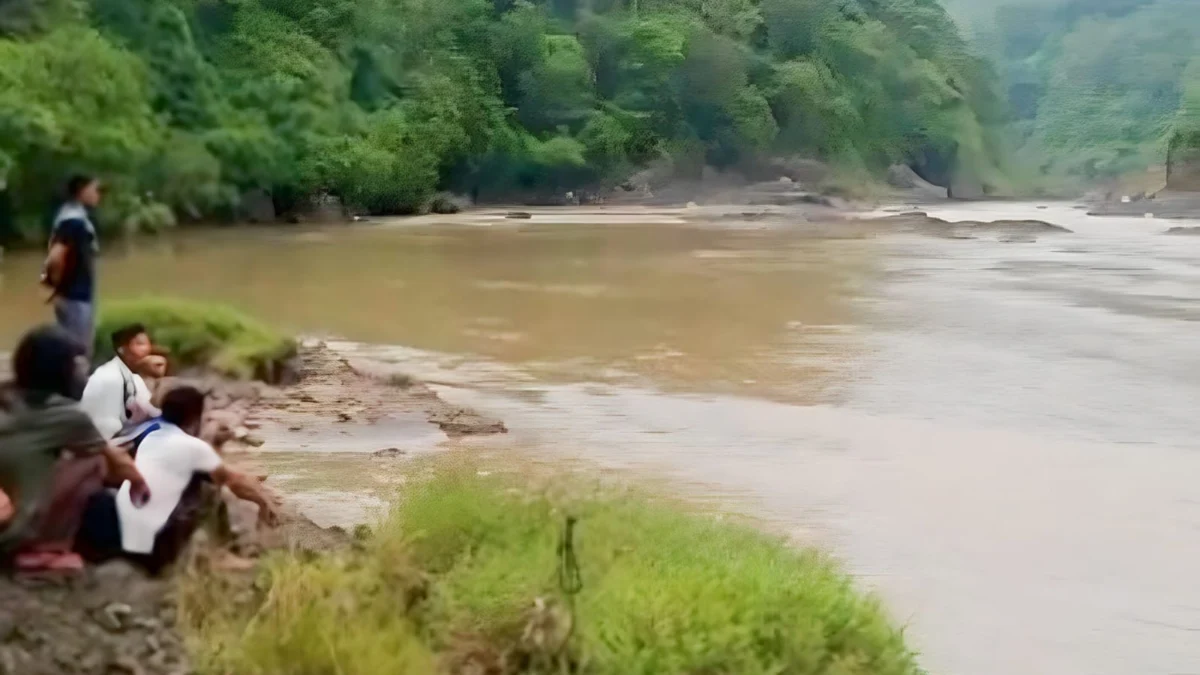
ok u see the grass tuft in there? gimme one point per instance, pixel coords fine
(462, 578)
(198, 334)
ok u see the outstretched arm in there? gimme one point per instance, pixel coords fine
(250, 489)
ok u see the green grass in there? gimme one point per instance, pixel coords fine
(197, 334)
(462, 578)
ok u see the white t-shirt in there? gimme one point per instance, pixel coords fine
(167, 458)
(109, 392)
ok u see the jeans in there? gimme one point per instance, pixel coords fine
(77, 317)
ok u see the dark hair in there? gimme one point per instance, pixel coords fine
(183, 406)
(44, 363)
(125, 334)
(77, 183)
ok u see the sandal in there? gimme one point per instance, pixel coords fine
(48, 561)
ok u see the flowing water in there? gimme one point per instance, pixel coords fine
(1000, 437)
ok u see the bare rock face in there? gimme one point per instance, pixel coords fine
(963, 186)
(904, 178)
(808, 172)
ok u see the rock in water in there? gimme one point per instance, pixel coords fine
(924, 224)
(1184, 231)
(902, 177)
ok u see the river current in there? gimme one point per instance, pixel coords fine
(1000, 437)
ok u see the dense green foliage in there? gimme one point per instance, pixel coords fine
(200, 335)
(192, 103)
(462, 579)
(1098, 86)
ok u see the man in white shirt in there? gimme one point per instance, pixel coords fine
(116, 396)
(174, 464)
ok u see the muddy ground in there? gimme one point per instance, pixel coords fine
(350, 395)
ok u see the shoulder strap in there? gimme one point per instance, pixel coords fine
(133, 440)
(128, 389)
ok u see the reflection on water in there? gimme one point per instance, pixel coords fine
(1000, 437)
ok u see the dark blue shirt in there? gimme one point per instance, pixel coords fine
(79, 278)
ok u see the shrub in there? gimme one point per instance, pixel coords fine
(464, 574)
(201, 335)
(151, 217)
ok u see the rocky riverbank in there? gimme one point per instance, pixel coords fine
(113, 619)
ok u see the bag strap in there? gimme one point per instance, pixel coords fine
(128, 389)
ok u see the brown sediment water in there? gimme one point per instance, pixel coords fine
(998, 433)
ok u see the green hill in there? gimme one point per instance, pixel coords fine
(192, 103)
(1097, 86)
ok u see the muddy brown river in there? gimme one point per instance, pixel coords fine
(1001, 437)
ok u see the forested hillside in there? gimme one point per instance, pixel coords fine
(187, 104)
(1099, 87)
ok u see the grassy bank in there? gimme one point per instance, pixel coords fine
(469, 575)
(198, 334)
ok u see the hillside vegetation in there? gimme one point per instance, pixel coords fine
(1099, 87)
(183, 106)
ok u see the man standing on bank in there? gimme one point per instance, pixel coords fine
(70, 269)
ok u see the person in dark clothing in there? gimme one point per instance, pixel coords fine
(70, 269)
(52, 458)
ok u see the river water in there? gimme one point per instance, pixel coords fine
(999, 437)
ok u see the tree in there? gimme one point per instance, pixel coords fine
(71, 99)
(192, 103)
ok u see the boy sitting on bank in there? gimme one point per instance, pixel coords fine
(116, 396)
